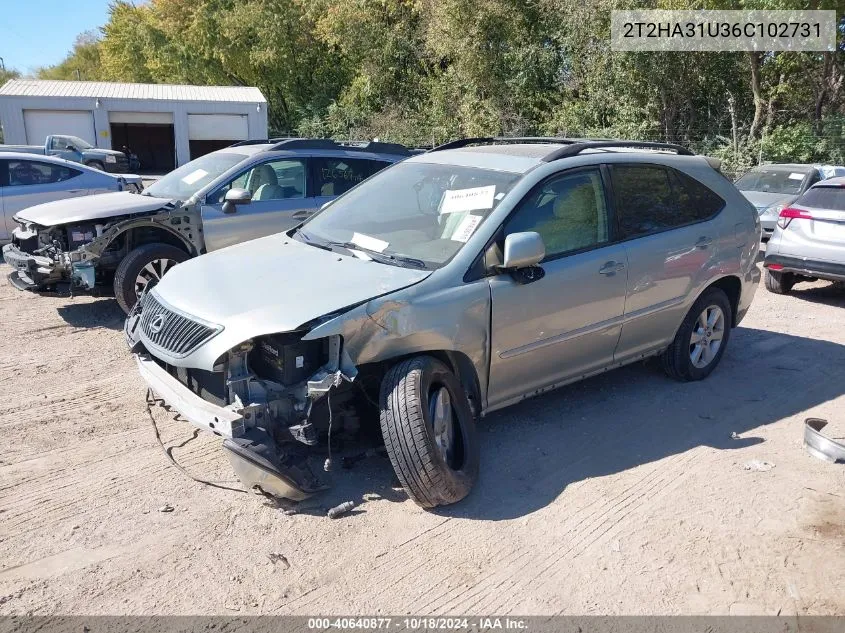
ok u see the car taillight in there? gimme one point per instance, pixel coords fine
(789, 214)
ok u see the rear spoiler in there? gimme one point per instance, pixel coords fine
(715, 163)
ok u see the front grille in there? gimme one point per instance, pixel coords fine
(170, 331)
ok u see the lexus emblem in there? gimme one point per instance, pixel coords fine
(157, 323)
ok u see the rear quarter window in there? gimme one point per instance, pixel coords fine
(654, 198)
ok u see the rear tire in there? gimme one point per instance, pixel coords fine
(429, 431)
(779, 283)
(95, 164)
(702, 338)
(146, 264)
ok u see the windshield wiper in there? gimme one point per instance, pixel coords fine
(376, 256)
(381, 257)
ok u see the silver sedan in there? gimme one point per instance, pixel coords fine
(27, 180)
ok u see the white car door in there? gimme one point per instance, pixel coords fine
(31, 182)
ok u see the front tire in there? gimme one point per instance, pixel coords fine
(95, 164)
(429, 431)
(144, 265)
(779, 283)
(702, 338)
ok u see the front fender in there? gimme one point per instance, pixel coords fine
(183, 224)
(450, 320)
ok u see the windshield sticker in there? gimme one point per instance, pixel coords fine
(796, 176)
(370, 243)
(455, 200)
(194, 176)
(466, 228)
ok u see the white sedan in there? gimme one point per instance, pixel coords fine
(28, 179)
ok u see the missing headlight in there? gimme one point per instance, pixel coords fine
(286, 358)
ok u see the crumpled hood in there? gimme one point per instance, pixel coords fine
(86, 208)
(763, 199)
(275, 284)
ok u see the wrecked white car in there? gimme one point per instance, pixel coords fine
(450, 285)
(248, 190)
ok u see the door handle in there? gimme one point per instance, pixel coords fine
(611, 268)
(302, 215)
(703, 242)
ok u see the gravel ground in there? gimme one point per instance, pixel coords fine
(625, 494)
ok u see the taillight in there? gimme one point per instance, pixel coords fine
(789, 214)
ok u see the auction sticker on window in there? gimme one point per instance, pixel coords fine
(466, 228)
(369, 242)
(796, 176)
(455, 200)
(194, 176)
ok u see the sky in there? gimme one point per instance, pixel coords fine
(41, 32)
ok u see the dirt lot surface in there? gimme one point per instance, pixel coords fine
(625, 494)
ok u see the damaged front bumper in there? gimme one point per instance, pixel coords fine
(256, 460)
(31, 272)
(35, 272)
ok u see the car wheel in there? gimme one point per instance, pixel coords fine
(702, 338)
(429, 431)
(779, 283)
(95, 164)
(145, 265)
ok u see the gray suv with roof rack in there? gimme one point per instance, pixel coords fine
(447, 286)
(248, 190)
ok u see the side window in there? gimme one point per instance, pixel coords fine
(28, 172)
(274, 180)
(644, 199)
(696, 202)
(568, 211)
(334, 176)
(59, 142)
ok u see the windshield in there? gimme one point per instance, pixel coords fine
(185, 181)
(772, 181)
(78, 143)
(414, 210)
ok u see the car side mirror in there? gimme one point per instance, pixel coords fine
(523, 250)
(234, 197)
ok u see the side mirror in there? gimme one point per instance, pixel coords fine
(523, 250)
(235, 197)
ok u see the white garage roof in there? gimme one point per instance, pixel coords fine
(107, 90)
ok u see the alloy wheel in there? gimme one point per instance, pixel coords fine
(707, 334)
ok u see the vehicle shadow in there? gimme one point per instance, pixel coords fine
(829, 295)
(632, 416)
(100, 313)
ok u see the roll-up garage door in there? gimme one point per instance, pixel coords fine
(39, 124)
(217, 127)
(210, 132)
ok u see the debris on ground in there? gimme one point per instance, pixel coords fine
(340, 510)
(757, 465)
(166, 508)
(819, 445)
(277, 557)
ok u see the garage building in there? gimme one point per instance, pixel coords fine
(165, 125)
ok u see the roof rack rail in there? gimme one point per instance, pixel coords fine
(489, 140)
(327, 143)
(570, 146)
(280, 143)
(577, 147)
(249, 142)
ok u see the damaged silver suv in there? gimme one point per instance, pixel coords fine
(247, 190)
(450, 285)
